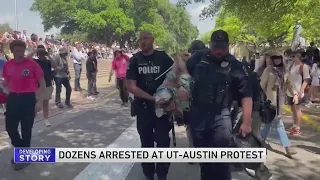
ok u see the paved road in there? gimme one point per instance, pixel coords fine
(106, 124)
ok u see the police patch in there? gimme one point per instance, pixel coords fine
(25, 72)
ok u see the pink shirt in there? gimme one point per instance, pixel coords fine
(120, 65)
(22, 77)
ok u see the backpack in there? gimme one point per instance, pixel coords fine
(301, 72)
(261, 103)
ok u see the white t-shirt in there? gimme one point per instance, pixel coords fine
(296, 77)
(315, 73)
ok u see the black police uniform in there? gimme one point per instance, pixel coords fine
(145, 69)
(216, 85)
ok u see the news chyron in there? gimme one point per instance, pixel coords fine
(93, 155)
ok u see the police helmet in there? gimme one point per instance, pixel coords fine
(163, 96)
(252, 141)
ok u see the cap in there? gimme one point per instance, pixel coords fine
(196, 45)
(63, 51)
(219, 39)
(276, 55)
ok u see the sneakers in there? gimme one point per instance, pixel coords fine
(289, 129)
(47, 123)
(91, 98)
(59, 105)
(290, 151)
(125, 104)
(18, 166)
(69, 105)
(295, 131)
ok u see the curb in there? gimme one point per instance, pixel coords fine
(307, 120)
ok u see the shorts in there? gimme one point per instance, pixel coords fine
(290, 101)
(47, 93)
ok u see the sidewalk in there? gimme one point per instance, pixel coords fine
(304, 166)
(107, 124)
(90, 125)
(77, 99)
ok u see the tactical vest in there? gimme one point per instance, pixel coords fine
(147, 81)
(210, 88)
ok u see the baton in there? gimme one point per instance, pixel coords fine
(174, 142)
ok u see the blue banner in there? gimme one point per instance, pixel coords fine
(37, 155)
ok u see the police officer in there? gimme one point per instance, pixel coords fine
(218, 80)
(146, 72)
(196, 46)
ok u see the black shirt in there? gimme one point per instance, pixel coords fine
(45, 65)
(146, 69)
(90, 66)
(241, 86)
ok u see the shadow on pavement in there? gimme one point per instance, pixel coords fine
(94, 128)
(314, 150)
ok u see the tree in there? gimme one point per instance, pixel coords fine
(106, 21)
(72, 38)
(4, 27)
(271, 20)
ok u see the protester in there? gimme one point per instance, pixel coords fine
(196, 46)
(3, 56)
(77, 57)
(120, 65)
(62, 77)
(22, 77)
(315, 83)
(45, 62)
(91, 67)
(274, 81)
(299, 77)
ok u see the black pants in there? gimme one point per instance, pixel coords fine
(153, 129)
(92, 83)
(66, 83)
(20, 109)
(124, 95)
(209, 130)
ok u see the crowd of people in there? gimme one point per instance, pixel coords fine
(51, 43)
(159, 84)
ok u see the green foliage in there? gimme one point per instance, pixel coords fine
(72, 38)
(106, 21)
(264, 21)
(4, 27)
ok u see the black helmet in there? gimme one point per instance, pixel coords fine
(196, 45)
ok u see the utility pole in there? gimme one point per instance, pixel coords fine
(15, 13)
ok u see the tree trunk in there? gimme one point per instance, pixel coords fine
(122, 43)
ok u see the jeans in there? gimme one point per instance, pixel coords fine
(66, 83)
(282, 135)
(92, 83)
(77, 73)
(20, 109)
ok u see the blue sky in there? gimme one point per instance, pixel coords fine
(31, 21)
